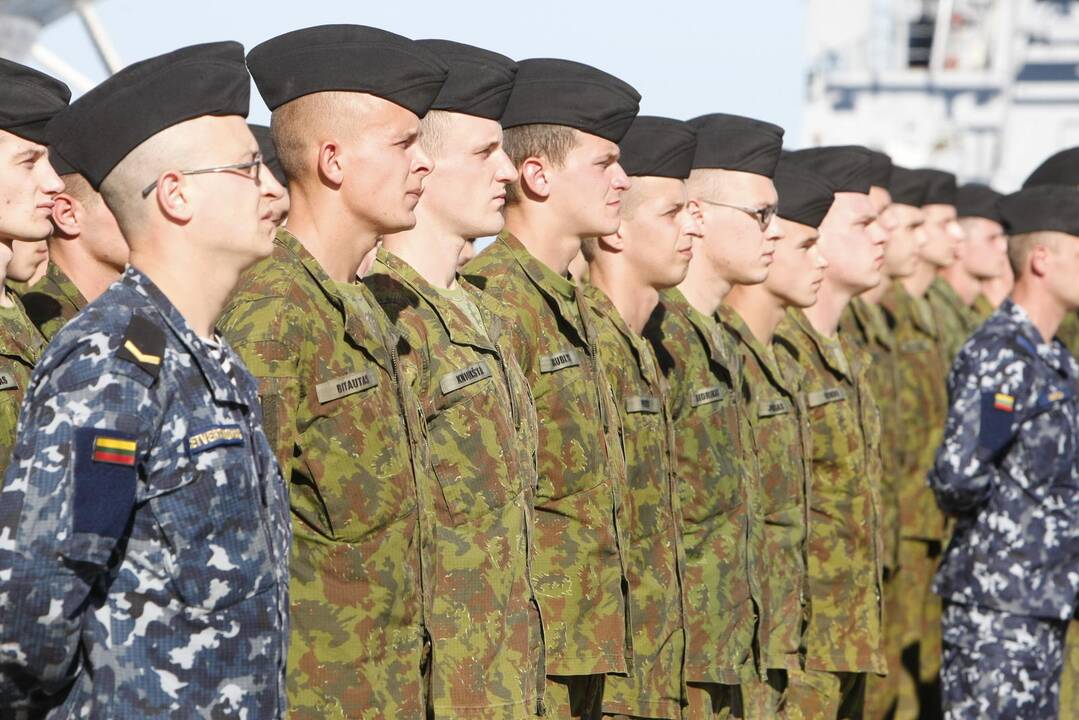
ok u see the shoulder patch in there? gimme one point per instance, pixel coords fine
(143, 344)
(997, 424)
(105, 475)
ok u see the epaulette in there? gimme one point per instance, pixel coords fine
(143, 344)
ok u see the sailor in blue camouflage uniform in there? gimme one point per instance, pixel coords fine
(1007, 471)
(144, 530)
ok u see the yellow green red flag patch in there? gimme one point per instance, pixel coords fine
(1003, 401)
(114, 450)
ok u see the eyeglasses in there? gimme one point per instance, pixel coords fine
(763, 215)
(249, 169)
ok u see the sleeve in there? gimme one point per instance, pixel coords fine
(268, 334)
(65, 508)
(981, 426)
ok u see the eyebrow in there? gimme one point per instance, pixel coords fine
(30, 152)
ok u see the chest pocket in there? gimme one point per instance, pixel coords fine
(708, 442)
(834, 425)
(567, 400)
(469, 431)
(211, 516)
(1047, 436)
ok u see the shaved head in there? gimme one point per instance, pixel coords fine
(301, 126)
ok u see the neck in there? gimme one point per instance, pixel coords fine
(337, 241)
(1044, 312)
(553, 248)
(703, 290)
(825, 313)
(5, 301)
(91, 276)
(918, 283)
(634, 301)
(759, 309)
(966, 286)
(430, 253)
(874, 294)
(196, 285)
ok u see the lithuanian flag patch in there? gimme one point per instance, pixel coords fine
(1003, 401)
(113, 450)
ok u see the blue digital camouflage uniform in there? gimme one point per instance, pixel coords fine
(1007, 471)
(144, 530)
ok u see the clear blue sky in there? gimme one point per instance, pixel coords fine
(685, 58)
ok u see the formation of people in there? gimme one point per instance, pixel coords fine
(712, 429)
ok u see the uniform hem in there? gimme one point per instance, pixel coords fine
(600, 665)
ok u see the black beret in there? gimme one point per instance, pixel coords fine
(269, 151)
(732, 142)
(28, 100)
(881, 173)
(1060, 169)
(1041, 208)
(563, 92)
(977, 200)
(658, 147)
(906, 187)
(61, 166)
(805, 196)
(349, 58)
(849, 168)
(940, 186)
(99, 129)
(479, 81)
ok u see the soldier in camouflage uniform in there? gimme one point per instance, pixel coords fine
(579, 570)
(145, 573)
(340, 417)
(775, 399)
(978, 259)
(650, 251)
(486, 645)
(731, 189)
(1007, 469)
(844, 638)
(87, 253)
(922, 411)
(28, 99)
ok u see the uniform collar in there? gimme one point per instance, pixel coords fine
(541, 275)
(359, 316)
(456, 324)
(1053, 353)
(824, 347)
(674, 301)
(605, 309)
(64, 286)
(767, 360)
(221, 386)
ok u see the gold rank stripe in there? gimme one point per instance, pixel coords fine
(140, 355)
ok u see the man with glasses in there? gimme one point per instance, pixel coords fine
(346, 102)
(714, 464)
(145, 573)
(28, 187)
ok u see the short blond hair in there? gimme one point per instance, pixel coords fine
(551, 142)
(1020, 246)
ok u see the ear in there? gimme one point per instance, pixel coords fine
(535, 178)
(66, 216)
(173, 198)
(1039, 260)
(330, 168)
(613, 243)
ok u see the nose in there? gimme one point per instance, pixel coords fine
(422, 163)
(619, 179)
(507, 173)
(51, 183)
(269, 184)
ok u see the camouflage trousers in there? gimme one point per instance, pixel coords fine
(882, 693)
(714, 701)
(1000, 665)
(806, 695)
(916, 624)
(574, 697)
